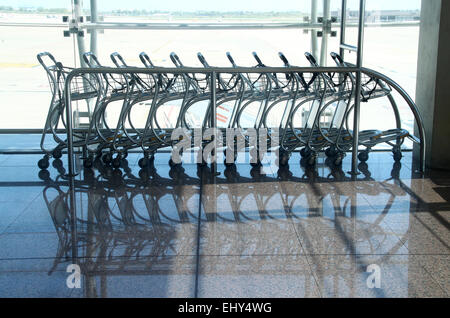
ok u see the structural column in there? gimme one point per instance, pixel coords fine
(433, 81)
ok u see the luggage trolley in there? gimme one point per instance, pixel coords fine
(83, 88)
(373, 88)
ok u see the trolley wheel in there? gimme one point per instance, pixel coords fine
(284, 173)
(311, 161)
(44, 163)
(202, 163)
(143, 162)
(305, 152)
(255, 173)
(108, 172)
(338, 161)
(144, 174)
(44, 175)
(89, 175)
(256, 164)
(230, 173)
(57, 164)
(107, 158)
(331, 152)
(228, 164)
(88, 163)
(283, 160)
(116, 162)
(57, 153)
(363, 156)
(397, 155)
(173, 164)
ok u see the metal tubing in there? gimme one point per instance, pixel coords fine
(80, 39)
(68, 101)
(214, 119)
(94, 19)
(347, 47)
(412, 106)
(314, 42)
(325, 30)
(214, 70)
(362, 10)
(343, 27)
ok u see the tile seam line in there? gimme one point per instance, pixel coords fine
(307, 259)
(197, 256)
(20, 214)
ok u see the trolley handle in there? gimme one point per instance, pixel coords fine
(337, 58)
(175, 59)
(284, 59)
(258, 60)
(311, 59)
(41, 56)
(88, 57)
(116, 56)
(145, 59)
(230, 58)
(202, 59)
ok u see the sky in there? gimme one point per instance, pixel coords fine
(215, 5)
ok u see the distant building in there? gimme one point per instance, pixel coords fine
(382, 16)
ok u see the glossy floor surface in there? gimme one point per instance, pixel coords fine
(240, 232)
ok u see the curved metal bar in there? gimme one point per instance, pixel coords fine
(412, 106)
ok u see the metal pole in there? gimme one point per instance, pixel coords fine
(343, 26)
(325, 30)
(80, 39)
(362, 9)
(313, 21)
(214, 119)
(94, 19)
(68, 101)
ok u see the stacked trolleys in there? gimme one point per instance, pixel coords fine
(300, 111)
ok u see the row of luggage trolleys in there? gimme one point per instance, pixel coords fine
(306, 112)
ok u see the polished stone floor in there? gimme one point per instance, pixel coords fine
(240, 232)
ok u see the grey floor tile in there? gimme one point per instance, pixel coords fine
(437, 267)
(256, 277)
(401, 276)
(148, 277)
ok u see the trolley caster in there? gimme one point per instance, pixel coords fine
(311, 161)
(397, 155)
(284, 174)
(145, 162)
(44, 163)
(108, 172)
(255, 173)
(338, 161)
(44, 175)
(256, 164)
(305, 152)
(230, 173)
(57, 153)
(116, 162)
(144, 174)
(88, 163)
(107, 158)
(229, 164)
(331, 152)
(283, 160)
(88, 175)
(173, 164)
(57, 164)
(363, 156)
